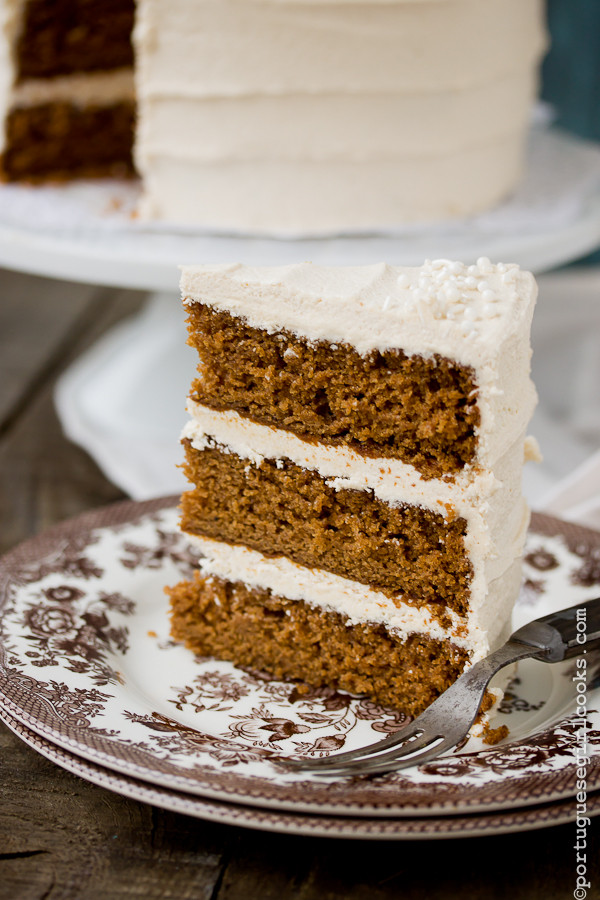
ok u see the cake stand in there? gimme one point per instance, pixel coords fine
(88, 232)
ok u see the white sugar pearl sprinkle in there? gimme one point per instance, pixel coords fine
(451, 293)
(491, 311)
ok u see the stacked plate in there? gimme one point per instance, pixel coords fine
(90, 679)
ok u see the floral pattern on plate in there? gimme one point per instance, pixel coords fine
(363, 827)
(86, 661)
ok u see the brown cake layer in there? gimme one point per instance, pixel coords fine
(291, 640)
(421, 411)
(55, 141)
(65, 36)
(281, 509)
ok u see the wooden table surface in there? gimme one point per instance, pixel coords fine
(61, 837)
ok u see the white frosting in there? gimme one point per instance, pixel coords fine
(477, 315)
(485, 628)
(300, 116)
(321, 197)
(80, 88)
(219, 48)
(234, 128)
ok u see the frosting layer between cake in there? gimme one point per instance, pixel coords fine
(485, 627)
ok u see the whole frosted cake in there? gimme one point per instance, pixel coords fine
(321, 115)
(280, 116)
(355, 446)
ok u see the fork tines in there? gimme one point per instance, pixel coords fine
(393, 752)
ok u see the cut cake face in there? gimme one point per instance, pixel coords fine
(67, 105)
(355, 447)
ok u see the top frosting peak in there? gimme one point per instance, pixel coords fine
(453, 290)
(462, 311)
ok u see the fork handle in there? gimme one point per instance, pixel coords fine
(563, 634)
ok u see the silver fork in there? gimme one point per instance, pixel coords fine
(560, 635)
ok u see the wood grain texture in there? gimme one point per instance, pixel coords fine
(43, 477)
(37, 319)
(62, 838)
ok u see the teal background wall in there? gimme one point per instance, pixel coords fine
(571, 70)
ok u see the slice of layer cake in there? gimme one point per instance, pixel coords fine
(355, 447)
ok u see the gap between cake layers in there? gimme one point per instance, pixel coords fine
(380, 575)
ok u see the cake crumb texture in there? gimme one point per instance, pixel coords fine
(58, 141)
(492, 736)
(293, 641)
(66, 36)
(422, 411)
(281, 509)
